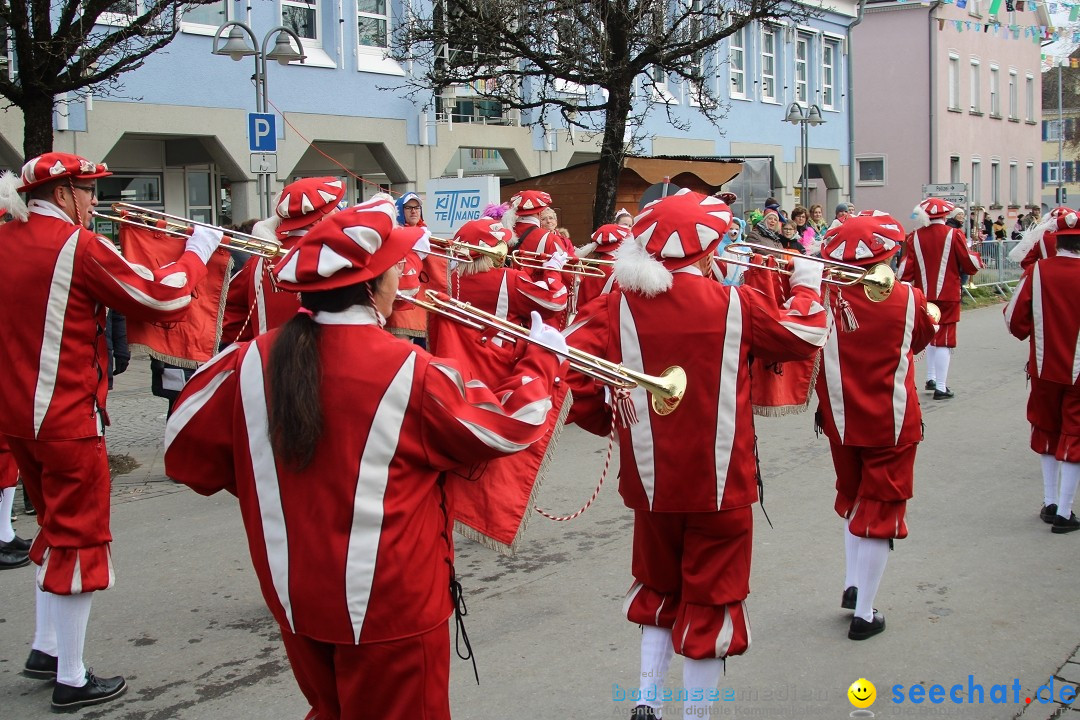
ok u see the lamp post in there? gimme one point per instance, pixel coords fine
(237, 48)
(812, 116)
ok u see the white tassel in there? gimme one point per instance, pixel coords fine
(267, 229)
(10, 199)
(919, 218)
(638, 271)
(624, 407)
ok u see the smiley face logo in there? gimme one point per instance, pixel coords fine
(862, 693)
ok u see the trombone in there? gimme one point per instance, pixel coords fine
(458, 251)
(158, 221)
(666, 390)
(585, 267)
(877, 281)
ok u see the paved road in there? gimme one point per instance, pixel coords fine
(980, 588)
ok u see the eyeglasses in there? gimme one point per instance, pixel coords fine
(86, 188)
(412, 207)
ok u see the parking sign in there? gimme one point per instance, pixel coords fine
(262, 134)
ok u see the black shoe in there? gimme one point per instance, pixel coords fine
(40, 665)
(17, 543)
(28, 507)
(861, 629)
(1048, 513)
(851, 594)
(942, 394)
(931, 384)
(642, 712)
(94, 692)
(1062, 525)
(10, 559)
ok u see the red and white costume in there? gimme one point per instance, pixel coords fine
(691, 499)
(353, 552)
(605, 241)
(52, 409)
(254, 303)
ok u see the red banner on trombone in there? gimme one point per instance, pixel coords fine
(492, 501)
(193, 340)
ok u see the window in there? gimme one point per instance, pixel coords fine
(1029, 98)
(830, 53)
(136, 189)
(120, 12)
(209, 16)
(768, 64)
(200, 196)
(8, 64)
(954, 169)
(995, 92)
(302, 17)
(974, 8)
(1013, 110)
(995, 183)
(737, 63)
(974, 99)
(1052, 174)
(954, 82)
(659, 85)
(976, 182)
(1014, 183)
(373, 23)
(1053, 129)
(1031, 183)
(871, 170)
(802, 56)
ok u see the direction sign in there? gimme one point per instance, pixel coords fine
(264, 162)
(262, 135)
(942, 189)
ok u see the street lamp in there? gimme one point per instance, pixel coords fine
(796, 116)
(237, 48)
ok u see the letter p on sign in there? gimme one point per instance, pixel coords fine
(262, 134)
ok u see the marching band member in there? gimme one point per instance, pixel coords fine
(869, 408)
(334, 436)
(53, 296)
(1047, 292)
(1038, 242)
(605, 241)
(934, 257)
(14, 550)
(254, 305)
(691, 501)
(422, 271)
(532, 235)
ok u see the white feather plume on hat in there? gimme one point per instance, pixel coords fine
(919, 218)
(267, 229)
(638, 271)
(1030, 238)
(10, 199)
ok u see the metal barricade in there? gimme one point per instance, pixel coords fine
(998, 270)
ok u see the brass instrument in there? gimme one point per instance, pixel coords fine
(666, 390)
(459, 251)
(877, 281)
(158, 221)
(934, 312)
(585, 267)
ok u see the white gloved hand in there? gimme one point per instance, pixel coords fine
(806, 273)
(547, 335)
(423, 246)
(204, 241)
(557, 260)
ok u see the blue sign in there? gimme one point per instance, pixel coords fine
(457, 206)
(262, 135)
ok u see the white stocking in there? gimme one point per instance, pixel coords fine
(71, 613)
(1051, 468)
(7, 497)
(931, 363)
(1070, 477)
(656, 654)
(943, 358)
(873, 554)
(703, 674)
(44, 629)
(851, 557)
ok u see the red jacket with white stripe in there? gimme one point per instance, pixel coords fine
(1046, 247)
(934, 257)
(254, 304)
(512, 294)
(866, 386)
(56, 283)
(350, 549)
(1043, 309)
(593, 287)
(699, 458)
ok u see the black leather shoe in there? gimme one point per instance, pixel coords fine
(1048, 513)
(942, 394)
(931, 384)
(851, 594)
(40, 665)
(94, 692)
(17, 543)
(10, 559)
(1063, 525)
(861, 629)
(642, 712)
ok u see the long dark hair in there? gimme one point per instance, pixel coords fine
(295, 412)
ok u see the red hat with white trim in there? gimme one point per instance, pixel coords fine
(485, 232)
(58, 166)
(303, 202)
(936, 208)
(1066, 224)
(530, 202)
(607, 237)
(349, 247)
(868, 238)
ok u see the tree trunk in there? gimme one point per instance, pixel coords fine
(37, 124)
(611, 154)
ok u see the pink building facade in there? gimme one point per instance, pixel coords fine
(936, 105)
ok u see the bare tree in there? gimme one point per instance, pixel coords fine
(581, 60)
(62, 46)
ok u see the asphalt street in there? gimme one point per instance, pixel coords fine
(980, 595)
